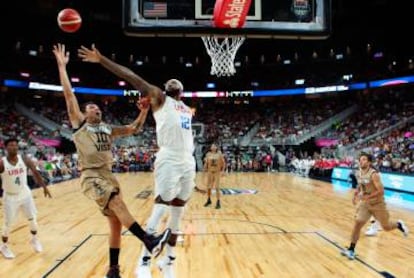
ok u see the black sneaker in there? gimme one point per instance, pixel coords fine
(155, 244)
(207, 203)
(218, 206)
(113, 272)
(403, 228)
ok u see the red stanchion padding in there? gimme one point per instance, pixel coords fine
(231, 13)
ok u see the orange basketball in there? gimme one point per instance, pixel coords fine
(69, 20)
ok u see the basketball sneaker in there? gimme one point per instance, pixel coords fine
(144, 268)
(403, 228)
(373, 229)
(218, 205)
(7, 253)
(154, 244)
(37, 246)
(166, 266)
(113, 272)
(207, 203)
(348, 253)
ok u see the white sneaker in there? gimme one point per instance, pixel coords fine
(348, 253)
(166, 266)
(378, 225)
(405, 230)
(7, 253)
(372, 229)
(144, 268)
(37, 246)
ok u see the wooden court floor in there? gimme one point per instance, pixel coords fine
(292, 227)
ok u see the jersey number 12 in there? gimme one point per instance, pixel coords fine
(185, 122)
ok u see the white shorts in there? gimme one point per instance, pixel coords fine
(174, 175)
(12, 204)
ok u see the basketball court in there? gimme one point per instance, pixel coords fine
(270, 224)
(289, 227)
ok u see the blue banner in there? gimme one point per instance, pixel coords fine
(389, 180)
(16, 83)
(398, 182)
(391, 197)
(341, 173)
(401, 199)
(257, 93)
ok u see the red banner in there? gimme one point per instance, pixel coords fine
(231, 13)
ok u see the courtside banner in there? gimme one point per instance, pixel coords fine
(390, 181)
(231, 13)
(341, 174)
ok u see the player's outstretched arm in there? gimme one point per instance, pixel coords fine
(137, 124)
(36, 175)
(62, 58)
(146, 89)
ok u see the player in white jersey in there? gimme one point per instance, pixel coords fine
(17, 194)
(174, 165)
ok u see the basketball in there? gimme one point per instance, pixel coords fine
(69, 20)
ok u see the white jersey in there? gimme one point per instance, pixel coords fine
(173, 123)
(14, 177)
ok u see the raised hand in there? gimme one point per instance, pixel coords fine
(143, 103)
(62, 56)
(89, 55)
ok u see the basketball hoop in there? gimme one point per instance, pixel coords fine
(222, 52)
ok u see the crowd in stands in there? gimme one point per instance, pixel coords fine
(16, 125)
(373, 115)
(133, 159)
(250, 159)
(55, 167)
(393, 152)
(226, 124)
(116, 113)
(317, 166)
(288, 122)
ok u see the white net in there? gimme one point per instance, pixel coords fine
(222, 52)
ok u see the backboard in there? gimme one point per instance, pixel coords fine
(280, 19)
